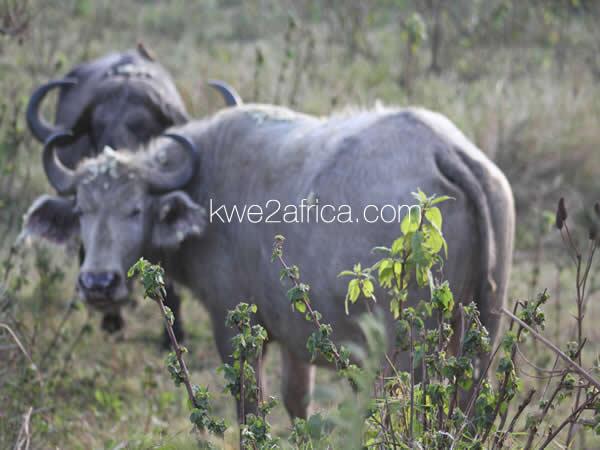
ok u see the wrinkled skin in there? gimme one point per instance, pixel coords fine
(255, 153)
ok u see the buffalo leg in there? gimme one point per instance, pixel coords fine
(173, 301)
(112, 322)
(297, 384)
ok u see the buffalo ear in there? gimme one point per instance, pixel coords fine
(52, 218)
(179, 218)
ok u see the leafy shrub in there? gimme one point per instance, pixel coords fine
(440, 400)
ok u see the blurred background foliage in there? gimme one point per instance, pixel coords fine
(520, 78)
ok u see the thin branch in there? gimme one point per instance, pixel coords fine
(572, 418)
(18, 342)
(178, 352)
(551, 373)
(501, 436)
(576, 367)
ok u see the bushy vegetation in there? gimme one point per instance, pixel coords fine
(439, 400)
(520, 78)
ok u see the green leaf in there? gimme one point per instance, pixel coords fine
(443, 298)
(395, 308)
(368, 289)
(398, 267)
(352, 294)
(300, 306)
(354, 290)
(398, 246)
(441, 199)
(381, 249)
(434, 216)
(295, 293)
(385, 272)
(435, 241)
(420, 253)
(420, 196)
(346, 273)
(466, 383)
(410, 222)
(423, 275)
(169, 315)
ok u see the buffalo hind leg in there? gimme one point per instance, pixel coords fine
(297, 384)
(173, 301)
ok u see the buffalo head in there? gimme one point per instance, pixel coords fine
(121, 100)
(121, 205)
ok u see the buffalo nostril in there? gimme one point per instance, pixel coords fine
(109, 279)
(86, 280)
(98, 281)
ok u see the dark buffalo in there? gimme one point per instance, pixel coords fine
(121, 100)
(161, 204)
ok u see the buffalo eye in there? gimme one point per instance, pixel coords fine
(135, 212)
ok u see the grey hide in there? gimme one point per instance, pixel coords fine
(255, 153)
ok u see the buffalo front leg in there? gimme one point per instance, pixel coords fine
(173, 301)
(297, 381)
(112, 322)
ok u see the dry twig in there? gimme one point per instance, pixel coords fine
(576, 367)
(24, 437)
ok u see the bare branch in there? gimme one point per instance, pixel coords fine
(24, 437)
(576, 367)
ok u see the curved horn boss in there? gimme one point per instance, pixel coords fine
(40, 128)
(60, 177)
(162, 181)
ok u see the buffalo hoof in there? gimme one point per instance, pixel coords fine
(112, 322)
